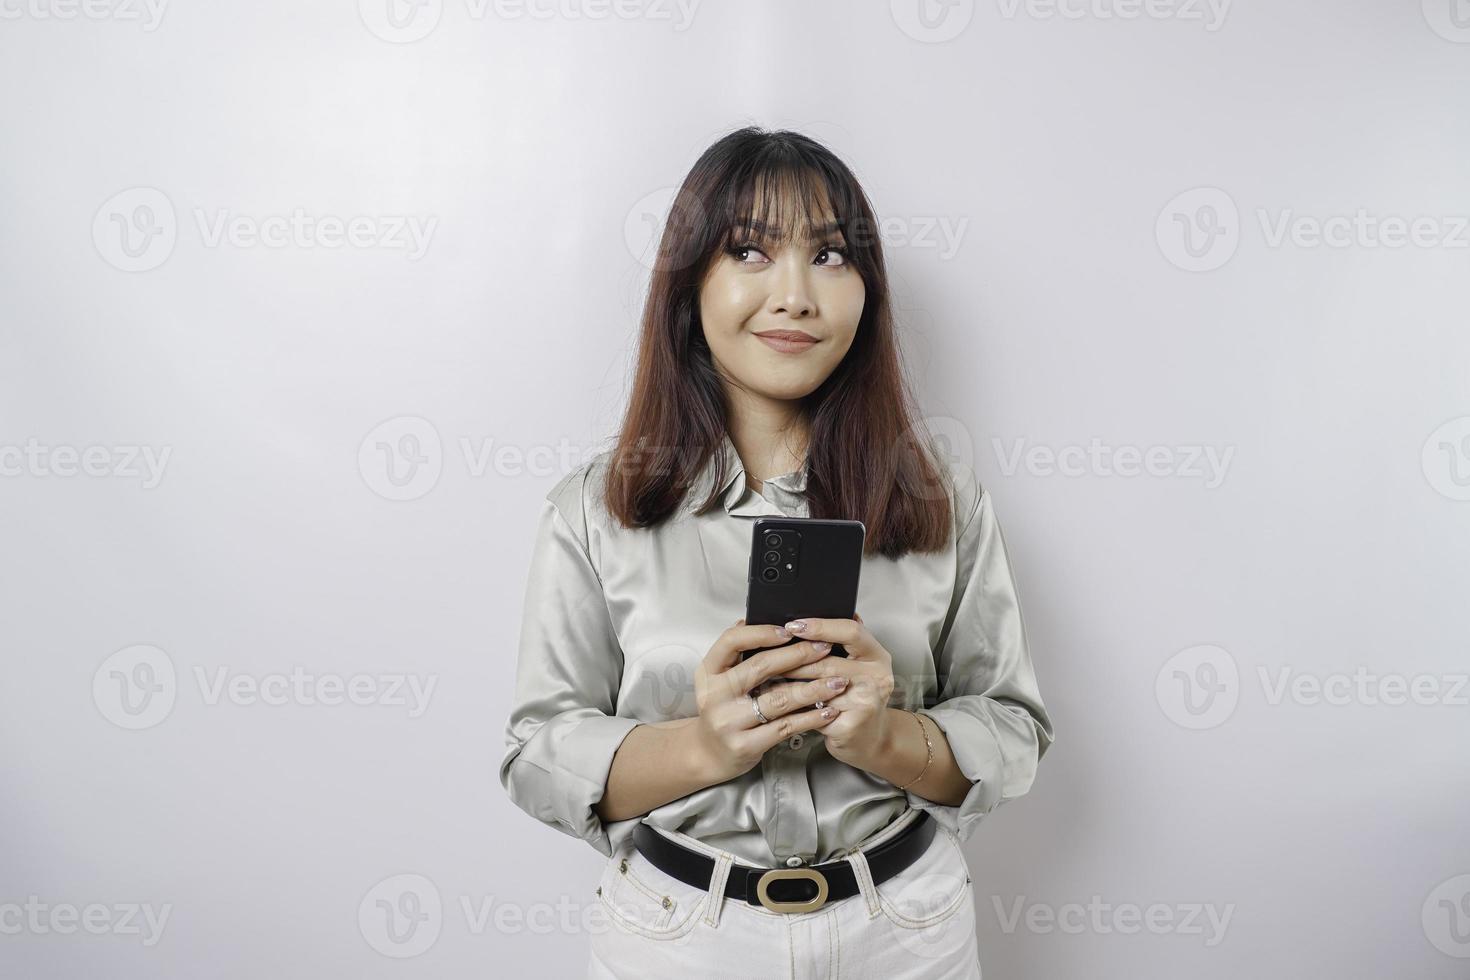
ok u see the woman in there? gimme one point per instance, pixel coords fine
(793, 814)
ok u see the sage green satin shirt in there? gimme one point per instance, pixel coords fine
(616, 622)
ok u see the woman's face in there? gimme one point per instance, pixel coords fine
(766, 287)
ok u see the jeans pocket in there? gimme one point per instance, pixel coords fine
(646, 901)
(932, 889)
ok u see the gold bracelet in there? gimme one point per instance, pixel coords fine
(927, 744)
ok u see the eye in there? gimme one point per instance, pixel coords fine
(832, 255)
(739, 252)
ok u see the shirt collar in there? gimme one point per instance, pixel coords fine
(787, 489)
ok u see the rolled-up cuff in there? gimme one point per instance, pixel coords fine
(561, 773)
(977, 753)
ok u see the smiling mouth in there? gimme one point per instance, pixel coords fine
(787, 341)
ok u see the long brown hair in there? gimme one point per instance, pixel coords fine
(867, 460)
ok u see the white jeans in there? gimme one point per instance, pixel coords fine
(918, 924)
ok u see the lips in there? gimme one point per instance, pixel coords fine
(787, 341)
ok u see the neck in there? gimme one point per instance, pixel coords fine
(770, 436)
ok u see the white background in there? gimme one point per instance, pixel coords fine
(536, 145)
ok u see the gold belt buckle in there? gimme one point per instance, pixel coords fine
(778, 873)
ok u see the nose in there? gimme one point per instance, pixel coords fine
(792, 290)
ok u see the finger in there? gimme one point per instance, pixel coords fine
(849, 700)
(853, 635)
(780, 729)
(783, 699)
(725, 652)
(826, 667)
(749, 674)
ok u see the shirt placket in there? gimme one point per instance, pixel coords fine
(791, 827)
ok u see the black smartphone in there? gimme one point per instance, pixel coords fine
(803, 566)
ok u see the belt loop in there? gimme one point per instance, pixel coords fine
(717, 879)
(864, 876)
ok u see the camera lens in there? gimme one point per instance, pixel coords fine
(771, 574)
(773, 557)
(773, 540)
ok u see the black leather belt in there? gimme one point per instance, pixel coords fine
(778, 889)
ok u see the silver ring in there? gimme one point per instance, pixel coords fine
(821, 704)
(758, 713)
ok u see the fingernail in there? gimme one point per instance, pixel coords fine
(827, 712)
(821, 646)
(796, 625)
(782, 633)
(837, 683)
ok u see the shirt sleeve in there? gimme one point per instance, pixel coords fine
(988, 704)
(563, 728)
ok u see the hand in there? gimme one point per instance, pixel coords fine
(858, 735)
(732, 735)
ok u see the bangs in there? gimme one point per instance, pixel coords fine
(784, 202)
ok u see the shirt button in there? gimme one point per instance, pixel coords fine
(793, 862)
(795, 741)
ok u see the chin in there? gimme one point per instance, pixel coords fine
(786, 393)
